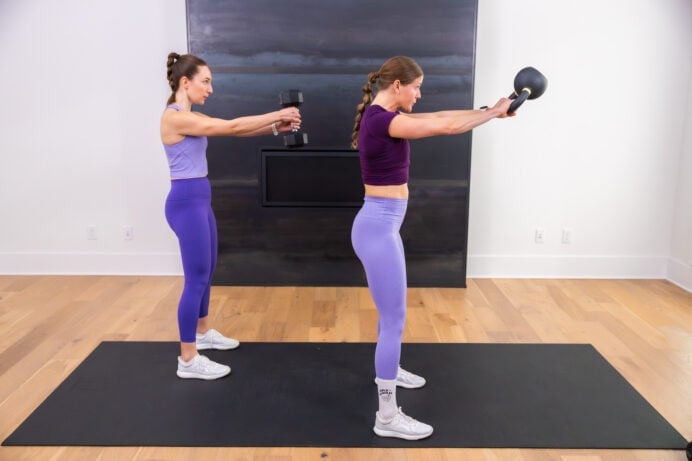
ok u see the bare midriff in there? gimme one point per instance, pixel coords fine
(399, 191)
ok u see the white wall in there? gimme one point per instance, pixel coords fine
(84, 84)
(605, 152)
(600, 153)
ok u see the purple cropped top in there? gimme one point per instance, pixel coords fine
(384, 161)
(187, 158)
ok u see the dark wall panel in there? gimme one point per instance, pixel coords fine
(257, 49)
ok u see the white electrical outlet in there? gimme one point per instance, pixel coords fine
(567, 236)
(539, 236)
(91, 233)
(128, 233)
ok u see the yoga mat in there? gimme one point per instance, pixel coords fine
(322, 394)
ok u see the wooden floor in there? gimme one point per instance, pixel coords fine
(49, 324)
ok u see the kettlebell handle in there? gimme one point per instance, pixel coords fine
(518, 100)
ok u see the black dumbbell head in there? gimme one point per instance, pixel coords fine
(296, 139)
(290, 98)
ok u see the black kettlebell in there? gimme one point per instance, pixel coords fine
(528, 84)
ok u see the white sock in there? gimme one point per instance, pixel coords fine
(386, 392)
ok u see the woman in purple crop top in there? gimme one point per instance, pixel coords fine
(188, 205)
(381, 132)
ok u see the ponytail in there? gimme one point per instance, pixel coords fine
(367, 99)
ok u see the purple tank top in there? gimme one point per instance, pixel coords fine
(384, 161)
(187, 158)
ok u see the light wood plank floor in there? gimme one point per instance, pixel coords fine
(49, 324)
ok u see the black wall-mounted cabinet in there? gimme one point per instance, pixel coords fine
(310, 177)
(326, 49)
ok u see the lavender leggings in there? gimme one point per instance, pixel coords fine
(377, 243)
(189, 213)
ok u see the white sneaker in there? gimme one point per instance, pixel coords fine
(212, 339)
(408, 380)
(200, 367)
(402, 426)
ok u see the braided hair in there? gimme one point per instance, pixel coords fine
(179, 66)
(401, 68)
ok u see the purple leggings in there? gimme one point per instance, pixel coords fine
(377, 243)
(189, 213)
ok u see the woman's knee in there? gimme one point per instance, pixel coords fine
(197, 284)
(393, 323)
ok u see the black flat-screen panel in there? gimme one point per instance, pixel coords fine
(310, 177)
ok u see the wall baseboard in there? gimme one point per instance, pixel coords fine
(478, 266)
(592, 266)
(680, 274)
(90, 264)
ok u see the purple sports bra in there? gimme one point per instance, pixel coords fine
(187, 158)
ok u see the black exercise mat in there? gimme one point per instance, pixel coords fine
(322, 394)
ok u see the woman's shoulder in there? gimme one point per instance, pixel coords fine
(376, 109)
(379, 112)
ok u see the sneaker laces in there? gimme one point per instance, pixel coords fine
(210, 336)
(406, 419)
(406, 375)
(204, 363)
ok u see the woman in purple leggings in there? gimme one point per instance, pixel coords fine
(381, 132)
(188, 205)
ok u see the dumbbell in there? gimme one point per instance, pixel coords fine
(528, 84)
(293, 98)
